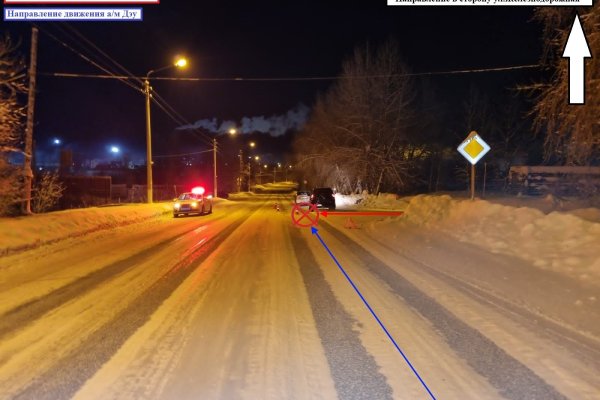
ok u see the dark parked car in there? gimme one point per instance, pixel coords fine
(323, 198)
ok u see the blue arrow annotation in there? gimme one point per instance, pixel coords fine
(315, 232)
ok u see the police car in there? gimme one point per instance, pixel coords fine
(194, 202)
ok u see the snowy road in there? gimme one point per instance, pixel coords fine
(241, 304)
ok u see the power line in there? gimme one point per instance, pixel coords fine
(156, 98)
(182, 121)
(123, 79)
(102, 53)
(183, 154)
(313, 78)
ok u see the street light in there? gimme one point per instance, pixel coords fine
(180, 62)
(252, 144)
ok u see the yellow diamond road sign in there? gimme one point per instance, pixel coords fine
(473, 148)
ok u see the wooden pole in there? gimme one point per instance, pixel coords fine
(27, 172)
(149, 183)
(215, 166)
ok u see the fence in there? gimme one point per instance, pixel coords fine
(561, 180)
(139, 193)
(89, 191)
(85, 191)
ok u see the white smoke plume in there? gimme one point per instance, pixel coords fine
(275, 125)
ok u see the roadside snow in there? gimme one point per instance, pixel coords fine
(29, 232)
(565, 242)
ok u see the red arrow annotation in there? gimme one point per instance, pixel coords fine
(358, 213)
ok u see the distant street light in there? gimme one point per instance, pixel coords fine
(232, 131)
(180, 62)
(252, 144)
(56, 141)
(114, 149)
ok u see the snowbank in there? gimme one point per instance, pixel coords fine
(277, 187)
(382, 201)
(29, 232)
(562, 242)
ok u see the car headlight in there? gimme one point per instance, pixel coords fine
(194, 204)
(176, 206)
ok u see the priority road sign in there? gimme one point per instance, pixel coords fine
(473, 148)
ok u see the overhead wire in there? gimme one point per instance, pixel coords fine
(306, 78)
(101, 64)
(159, 100)
(103, 53)
(123, 79)
(182, 154)
(176, 116)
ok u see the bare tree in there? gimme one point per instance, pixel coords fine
(12, 83)
(361, 130)
(47, 192)
(572, 132)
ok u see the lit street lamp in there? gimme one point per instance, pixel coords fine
(179, 63)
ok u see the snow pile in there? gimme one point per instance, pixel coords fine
(558, 241)
(28, 232)
(381, 201)
(277, 187)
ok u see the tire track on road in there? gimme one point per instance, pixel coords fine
(510, 377)
(355, 373)
(24, 314)
(71, 371)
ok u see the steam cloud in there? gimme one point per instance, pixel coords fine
(275, 125)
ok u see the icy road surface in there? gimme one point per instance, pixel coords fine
(241, 304)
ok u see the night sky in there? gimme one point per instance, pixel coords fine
(258, 40)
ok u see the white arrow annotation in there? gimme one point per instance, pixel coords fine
(576, 50)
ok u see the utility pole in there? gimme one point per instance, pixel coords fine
(27, 172)
(215, 166)
(148, 142)
(241, 171)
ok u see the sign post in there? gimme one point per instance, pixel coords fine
(473, 148)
